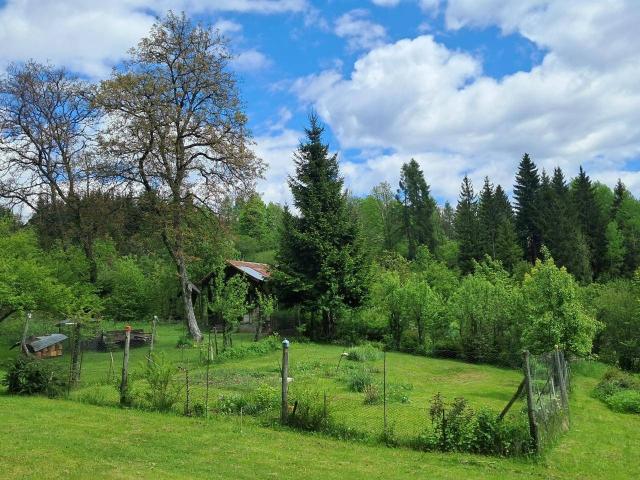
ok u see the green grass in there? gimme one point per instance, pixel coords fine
(64, 439)
(68, 439)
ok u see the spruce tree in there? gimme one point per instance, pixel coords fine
(526, 194)
(619, 194)
(508, 249)
(590, 220)
(321, 263)
(417, 208)
(467, 227)
(488, 220)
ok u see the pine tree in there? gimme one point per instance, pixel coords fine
(417, 208)
(320, 257)
(589, 220)
(467, 226)
(616, 251)
(619, 193)
(526, 192)
(447, 220)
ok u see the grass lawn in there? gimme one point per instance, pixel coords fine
(69, 439)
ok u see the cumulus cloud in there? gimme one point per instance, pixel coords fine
(359, 31)
(91, 36)
(581, 105)
(386, 3)
(250, 60)
(276, 149)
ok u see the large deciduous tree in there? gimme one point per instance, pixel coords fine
(48, 130)
(177, 129)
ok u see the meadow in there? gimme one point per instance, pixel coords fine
(72, 439)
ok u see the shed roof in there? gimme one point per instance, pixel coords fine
(257, 271)
(45, 341)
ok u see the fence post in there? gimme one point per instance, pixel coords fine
(285, 381)
(206, 394)
(124, 385)
(75, 355)
(562, 379)
(153, 335)
(533, 426)
(23, 342)
(384, 392)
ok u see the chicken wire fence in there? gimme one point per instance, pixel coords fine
(547, 380)
(353, 399)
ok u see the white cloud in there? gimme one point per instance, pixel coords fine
(581, 105)
(360, 32)
(250, 60)
(276, 149)
(91, 36)
(227, 27)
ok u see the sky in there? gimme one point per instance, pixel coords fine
(462, 86)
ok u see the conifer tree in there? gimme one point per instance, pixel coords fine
(526, 194)
(508, 250)
(619, 194)
(320, 258)
(417, 208)
(467, 226)
(589, 220)
(488, 220)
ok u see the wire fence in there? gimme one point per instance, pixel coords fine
(357, 398)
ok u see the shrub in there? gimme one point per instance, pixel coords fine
(620, 391)
(372, 395)
(310, 412)
(164, 391)
(364, 353)
(102, 395)
(268, 344)
(28, 376)
(625, 401)
(184, 342)
(264, 399)
(359, 379)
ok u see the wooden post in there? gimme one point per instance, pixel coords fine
(112, 372)
(513, 399)
(124, 385)
(384, 392)
(285, 381)
(215, 340)
(533, 425)
(561, 378)
(23, 342)
(75, 355)
(153, 334)
(187, 406)
(206, 394)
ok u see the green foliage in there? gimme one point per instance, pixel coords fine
(456, 427)
(359, 379)
(418, 208)
(129, 291)
(163, 391)
(364, 353)
(29, 376)
(266, 345)
(554, 313)
(620, 391)
(265, 398)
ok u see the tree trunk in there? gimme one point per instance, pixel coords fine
(185, 284)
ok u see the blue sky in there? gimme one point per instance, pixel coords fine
(463, 86)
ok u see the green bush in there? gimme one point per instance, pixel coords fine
(456, 427)
(372, 395)
(268, 344)
(620, 391)
(29, 376)
(626, 401)
(359, 379)
(163, 390)
(364, 353)
(310, 412)
(264, 399)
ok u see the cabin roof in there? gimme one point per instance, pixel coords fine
(257, 271)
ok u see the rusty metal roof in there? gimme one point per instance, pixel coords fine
(257, 271)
